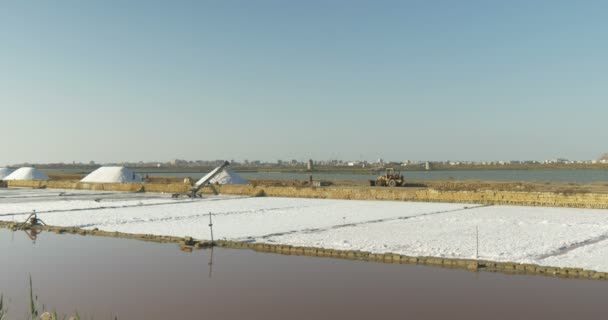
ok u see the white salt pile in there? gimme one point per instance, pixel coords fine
(227, 176)
(27, 173)
(5, 172)
(112, 175)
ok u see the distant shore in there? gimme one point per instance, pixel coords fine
(369, 169)
(443, 185)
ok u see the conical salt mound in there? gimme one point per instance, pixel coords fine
(228, 176)
(4, 172)
(27, 173)
(112, 175)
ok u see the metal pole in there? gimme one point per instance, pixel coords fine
(211, 227)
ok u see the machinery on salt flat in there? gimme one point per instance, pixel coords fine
(205, 180)
(390, 179)
(34, 220)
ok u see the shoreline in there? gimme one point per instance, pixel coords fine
(370, 168)
(189, 244)
(443, 192)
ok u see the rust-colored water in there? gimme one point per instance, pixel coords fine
(103, 277)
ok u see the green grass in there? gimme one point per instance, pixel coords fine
(3, 310)
(35, 312)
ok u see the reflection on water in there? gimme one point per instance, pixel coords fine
(32, 234)
(210, 264)
(102, 277)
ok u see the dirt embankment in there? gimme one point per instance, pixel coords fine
(564, 188)
(65, 176)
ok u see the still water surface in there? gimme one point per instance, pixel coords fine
(106, 277)
(582, 176)
(576, 176)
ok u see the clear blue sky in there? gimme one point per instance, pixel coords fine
(427, 80)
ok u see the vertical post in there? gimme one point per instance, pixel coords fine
(477, 240)
(212, 244)
(211, 227)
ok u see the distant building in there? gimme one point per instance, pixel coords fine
(558, 160)
(309, 166)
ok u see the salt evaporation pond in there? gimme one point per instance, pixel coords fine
(107, 277)
(560, 237)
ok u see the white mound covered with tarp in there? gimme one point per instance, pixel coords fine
(112, 175)
(4, 172)
(27, 173)
(227, 176)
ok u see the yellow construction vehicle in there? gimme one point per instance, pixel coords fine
(389, 179)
